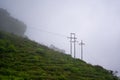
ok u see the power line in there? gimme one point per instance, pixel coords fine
(53, 33)
(72, 41)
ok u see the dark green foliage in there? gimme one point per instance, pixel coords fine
(6, 46)
(10, 24)
(23, 59)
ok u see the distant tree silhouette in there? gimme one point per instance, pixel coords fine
(10, 24)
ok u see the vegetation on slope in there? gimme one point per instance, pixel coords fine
(23, 59)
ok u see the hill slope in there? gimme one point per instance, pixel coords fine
(23, 59)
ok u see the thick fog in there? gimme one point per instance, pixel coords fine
(96, 22)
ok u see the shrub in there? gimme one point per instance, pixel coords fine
(39, 50)
(2, 49)
(11, 48)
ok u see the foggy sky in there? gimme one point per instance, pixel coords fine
(96, 22)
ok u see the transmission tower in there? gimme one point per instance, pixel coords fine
(81, 44)
(72, 42)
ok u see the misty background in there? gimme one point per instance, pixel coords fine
(96, 22)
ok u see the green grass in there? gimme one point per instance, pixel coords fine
(23, 59)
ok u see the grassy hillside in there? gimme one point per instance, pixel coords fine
(23, 59)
